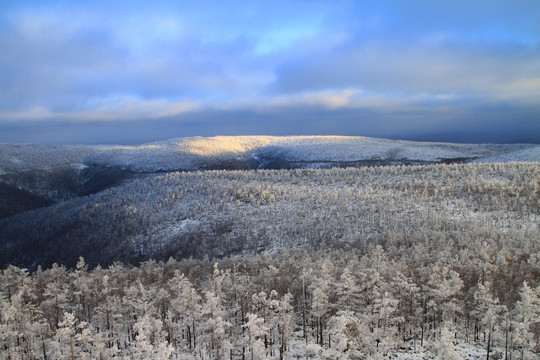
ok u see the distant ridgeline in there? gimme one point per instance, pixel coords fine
(50, 174)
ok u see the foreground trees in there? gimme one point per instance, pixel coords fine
(197, 309)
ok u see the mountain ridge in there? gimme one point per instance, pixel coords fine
(246, 152)
(57, 173)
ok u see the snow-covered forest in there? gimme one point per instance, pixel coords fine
(414, 262)
(295, 304)
(221, 213)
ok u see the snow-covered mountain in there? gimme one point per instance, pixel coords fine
(56, 173)
(251, 152)
(195, 153)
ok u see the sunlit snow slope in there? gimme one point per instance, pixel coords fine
(249, 152)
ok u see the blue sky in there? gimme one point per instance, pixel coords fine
(137, 71)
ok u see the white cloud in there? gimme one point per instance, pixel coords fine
(462, 69)
(329, 99)
(128, 107)
(108, 109)
(33, 113)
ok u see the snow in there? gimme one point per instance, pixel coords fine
(198, 152)
(527, 154)
(299, 350)
(192, 153)
(26, 157)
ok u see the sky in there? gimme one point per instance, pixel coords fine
(127, 72)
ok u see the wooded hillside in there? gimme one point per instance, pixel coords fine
(426, 261)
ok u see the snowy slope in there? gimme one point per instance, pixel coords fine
(526, 154)
(47, 171)
(251, 152)
(200, 153)
(26, 157)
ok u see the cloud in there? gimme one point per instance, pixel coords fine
(248, 67)
(328, 99)
(108, 109)
(417, 69)
(60, 63)
(499, 122)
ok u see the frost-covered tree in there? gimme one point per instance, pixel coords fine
(150, 340)
(526, 320)
(384, 321)
(56, 295)
(349, 336)
(214, 325)
(322, 296)
(488, 313)
(444, 286)
(22, 327)
(257, 329)
(187, 310)
(348, 291)
(285, 320)
(64, 345)
(446, 350)
(81, 290)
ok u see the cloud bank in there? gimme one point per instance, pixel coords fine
(74, 72)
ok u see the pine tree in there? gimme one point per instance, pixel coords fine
(64, 345)
(349, 336)
(257, 330)
(446, 350)
(348, 291)
(187, 309)
(488, 311)
(526, 316)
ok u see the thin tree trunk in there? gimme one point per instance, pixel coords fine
(57, 308)
(265, 334)
(282, 347)
(321, 330)
(44, 349)
(506, 340)
(304, 309)
(318, 340)
(72, 352)
(467, 328)
(194, 336)
(488, 345)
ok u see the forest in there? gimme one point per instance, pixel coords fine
(410, 262)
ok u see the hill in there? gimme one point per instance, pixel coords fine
(58, 173)
(267, 152)
(129, 203)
